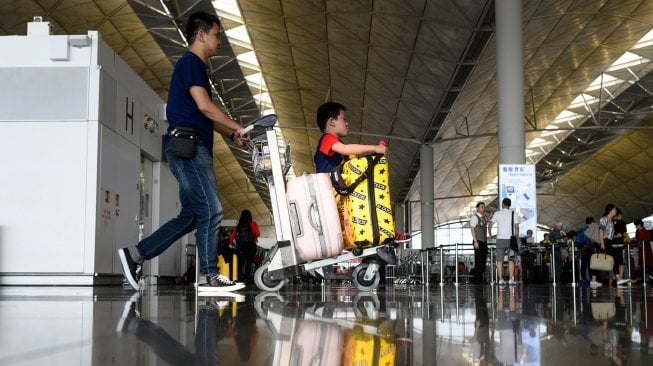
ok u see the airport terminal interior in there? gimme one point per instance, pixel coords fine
(546, 102)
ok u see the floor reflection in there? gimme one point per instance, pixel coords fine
(327, 325)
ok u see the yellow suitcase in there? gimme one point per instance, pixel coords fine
(367, 210)
(360, 348)
(228, 269)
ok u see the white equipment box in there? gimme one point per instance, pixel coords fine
(81, 173)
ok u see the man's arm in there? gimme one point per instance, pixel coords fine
(221, 122)
(472, 225)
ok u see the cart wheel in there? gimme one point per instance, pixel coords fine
(367, 305)
(263, 301)
(264, 282)
(359, 278)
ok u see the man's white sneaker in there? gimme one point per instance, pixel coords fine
(595, 284)
(219, 283)
(512, 283)
(502, 282)
(129, 312)
(623, 282)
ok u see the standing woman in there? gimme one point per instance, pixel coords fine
(246, 236)
(606, 235)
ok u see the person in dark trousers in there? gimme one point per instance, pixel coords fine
(190, 106)
(478, 227)
(244, 237)
(587, 248)
(606, 235)
(618, 245)
(643, 237)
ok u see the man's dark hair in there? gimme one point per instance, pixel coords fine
(199, 21)
(480, 203)
(506, 202)
(589, 220)
(638, 222)
(326, 111)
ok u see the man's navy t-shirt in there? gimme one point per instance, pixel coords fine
(181, 109)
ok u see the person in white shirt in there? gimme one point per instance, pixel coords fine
(503, 218)
(530, 240)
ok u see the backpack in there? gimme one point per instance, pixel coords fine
(244, 235)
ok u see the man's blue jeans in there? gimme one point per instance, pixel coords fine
(200, 209)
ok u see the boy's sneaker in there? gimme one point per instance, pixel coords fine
(595, 284)
(512, 283)
(502, 282)
(623, 282)
(218, 283)
(130, 269)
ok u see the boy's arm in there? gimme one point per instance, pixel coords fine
(357, 149)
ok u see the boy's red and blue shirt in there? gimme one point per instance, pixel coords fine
(325, 158)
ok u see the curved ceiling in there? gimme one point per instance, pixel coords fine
(416, 72)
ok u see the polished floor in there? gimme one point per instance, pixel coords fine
(331, 324)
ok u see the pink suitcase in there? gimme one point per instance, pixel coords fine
(314, 217)
(316, 344)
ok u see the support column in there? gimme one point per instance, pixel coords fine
(426, 188)
(510, 82)
(400, 218)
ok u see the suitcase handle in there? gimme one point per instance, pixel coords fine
(314, 216)
(296, 224)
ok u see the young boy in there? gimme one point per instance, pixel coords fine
(331, 151)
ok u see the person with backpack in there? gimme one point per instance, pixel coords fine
(244, 237)
(643, 236)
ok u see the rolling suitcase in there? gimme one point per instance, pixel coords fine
(316, 344)
(528, 267)
(314, 217)
(368, 206)
(228, 265)
(367, 349)
(542, 274)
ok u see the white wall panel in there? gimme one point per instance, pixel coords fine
(42, 194)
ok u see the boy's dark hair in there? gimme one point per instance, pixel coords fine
(608, 208)
(480, 203)
(589, 220)
(326, 111)
(199, 21)
(506, 202)
(638, 222)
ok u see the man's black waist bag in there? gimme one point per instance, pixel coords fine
(182, 142)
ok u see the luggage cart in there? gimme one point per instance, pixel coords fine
(409, 269)
(281, 261)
